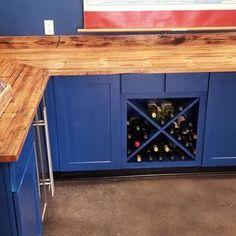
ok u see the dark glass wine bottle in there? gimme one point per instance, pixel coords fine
(129, 135)
(171, 155)
(150, 155)
(155, 148)
(180, 153)
(194, 136)
(145, 135)
(135, 123)
(160, 156)
(183, 124)
(173, 128)
(155, 112)
(129, 151)
(186, 141)
(178, 106)
(139, 158)
(193, 150)
(152, 108)
(168, 108)
(166, 148)
(136, 143)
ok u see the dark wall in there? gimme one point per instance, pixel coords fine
(25, 17)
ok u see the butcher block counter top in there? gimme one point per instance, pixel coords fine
(27, 62)
(28, 84)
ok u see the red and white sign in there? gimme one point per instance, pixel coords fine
(159, 14)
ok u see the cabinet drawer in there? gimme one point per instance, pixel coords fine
(193, 82)
(142, 83)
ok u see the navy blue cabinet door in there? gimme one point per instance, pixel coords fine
(87, 109)
(27, 203)
(7, 214)
(220, 144)
(26, 200)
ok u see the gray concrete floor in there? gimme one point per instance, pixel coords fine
(166, 206)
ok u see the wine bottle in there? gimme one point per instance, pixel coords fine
(129, 135)
(167, 108)
(139, 158)
(166, 148)
(178, 135)
(136, 143)
(152, 108)
(185, 141)
(180, 153)
(193, 150)
(160, 156)
(150, 155)
(178, 106)
(194, 135)
(129, 151)
(172, 156)
(161, 119)
(173, 128)
(183, 124)
(135, 123)
(155, 112)
(155, 148)
(145, 135)
(191, 126)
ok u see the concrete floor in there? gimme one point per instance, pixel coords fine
(166, 206)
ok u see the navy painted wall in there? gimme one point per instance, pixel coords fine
(25, 17)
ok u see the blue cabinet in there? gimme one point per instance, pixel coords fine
(189, 90)
(20, 206)
(26, 201)
(8, 224)
(88, 122)
(220, 146)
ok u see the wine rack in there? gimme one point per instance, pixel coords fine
(171, 139)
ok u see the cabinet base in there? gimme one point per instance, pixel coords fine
(145, 173)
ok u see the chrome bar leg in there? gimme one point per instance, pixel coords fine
(48, 147)
(39, 141)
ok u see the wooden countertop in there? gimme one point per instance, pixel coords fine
(65, 55)
(28, 84)
(27, 63)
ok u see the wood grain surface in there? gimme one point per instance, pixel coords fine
(27, 62)
(28, 85)
(161, 53)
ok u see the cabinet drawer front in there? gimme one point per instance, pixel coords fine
(142, 83)
(193, 82)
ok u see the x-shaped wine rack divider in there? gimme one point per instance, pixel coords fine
(161, 129)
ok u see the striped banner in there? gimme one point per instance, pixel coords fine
(108, 14)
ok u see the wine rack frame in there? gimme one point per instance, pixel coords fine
(131, 102)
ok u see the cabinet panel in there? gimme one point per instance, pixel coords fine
(27, 202)
(142, 83)
(18, 169)
(7, 215)
(220, 148)
(189, 82)
(88, 114)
